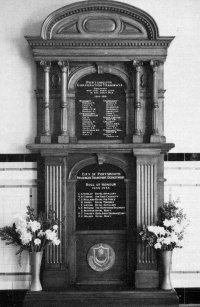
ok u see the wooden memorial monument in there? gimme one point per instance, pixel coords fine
(100, 102)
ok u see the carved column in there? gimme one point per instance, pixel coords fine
(146, 275)
(64, 137)
(72, 118)
(155, 137)
(137, 137)
(46, 135)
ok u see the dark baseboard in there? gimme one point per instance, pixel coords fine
(182, 157)
(188, 295)
(12, 298)
(15, 298)
(19, 157)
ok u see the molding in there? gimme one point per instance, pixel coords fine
(64, 149)
(73, 11)
(98, 49)
(74, 31)
(94, 160)
(91, 69)
(94, 43)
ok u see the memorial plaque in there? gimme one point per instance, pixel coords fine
(100, 198)
(100, 107)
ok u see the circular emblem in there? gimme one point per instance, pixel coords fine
(101, 257)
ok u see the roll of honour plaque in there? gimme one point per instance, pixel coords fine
(100, 107)
(100, 198)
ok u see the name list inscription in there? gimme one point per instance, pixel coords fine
(100, 197)
(100, 107)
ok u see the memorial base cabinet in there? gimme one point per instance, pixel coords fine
(145, 279)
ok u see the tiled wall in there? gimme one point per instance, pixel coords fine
(183, 183)
(18, 189)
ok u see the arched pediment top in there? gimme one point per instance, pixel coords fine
(99, 159)
(96, 18)
(82, 72)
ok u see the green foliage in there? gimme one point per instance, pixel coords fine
(171, 210)
(33, 232)
(9, 234)
(169, 230)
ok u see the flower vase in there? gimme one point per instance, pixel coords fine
(35, 261)
(166, 259)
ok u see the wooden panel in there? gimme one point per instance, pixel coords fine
(116, 274)
(100, 107)
(99, 25)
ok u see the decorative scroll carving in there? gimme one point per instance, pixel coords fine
(101, 159)
(54, 254)
(100, 68)
(142, 81)
(55, 81)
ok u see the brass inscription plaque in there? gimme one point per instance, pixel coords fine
(101, 257)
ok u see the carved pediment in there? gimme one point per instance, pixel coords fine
(99, 19)
(99, 24)
(69, 28)
(99, 29)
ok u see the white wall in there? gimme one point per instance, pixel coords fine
(178, 18)
(18, 189)
(183, 184)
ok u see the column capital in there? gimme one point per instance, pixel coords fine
(64, 65)
(137, 64)
(147, 152)
(46, 65)
(155, 64)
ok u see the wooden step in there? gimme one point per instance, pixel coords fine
(74, 298)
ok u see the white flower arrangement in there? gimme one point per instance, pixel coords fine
(32, 233)
(169, 231)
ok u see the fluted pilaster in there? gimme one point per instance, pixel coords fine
(147, 197)
(54, 254)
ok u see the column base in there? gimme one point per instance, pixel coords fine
(73, 140)
(43, 139)
(137, 138)
(63, 138)
(157, 138)
(146, 279)
(55, 280)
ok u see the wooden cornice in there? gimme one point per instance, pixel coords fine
(96, 30)
(64, 149)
